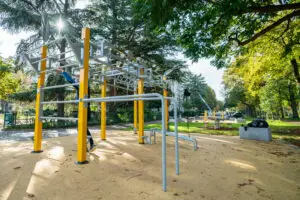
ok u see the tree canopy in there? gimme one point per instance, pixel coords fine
(197, 86)
(262, 78)
(219, 29)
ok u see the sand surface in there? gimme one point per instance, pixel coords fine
(222, 168)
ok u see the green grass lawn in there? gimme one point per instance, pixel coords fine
(287, 131)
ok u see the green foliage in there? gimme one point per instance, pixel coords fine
(9, 82)
(197, 86)
(114, 20)
(218, 29)
(262, 78)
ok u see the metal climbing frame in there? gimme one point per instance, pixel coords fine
(103, 66)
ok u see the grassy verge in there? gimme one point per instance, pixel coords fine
(280, 130)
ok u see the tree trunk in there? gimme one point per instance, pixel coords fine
(60, 106)
(293, 102)
(296, 70)
(281, 104)
(2, 106)
(281, 112)
(113, 5)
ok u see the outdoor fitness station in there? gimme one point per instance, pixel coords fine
(93, 61)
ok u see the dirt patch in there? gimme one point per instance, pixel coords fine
(250, 182)
(120, 168)
(282, 154)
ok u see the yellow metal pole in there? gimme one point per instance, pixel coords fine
(38, 108)
(165, 93)
(135, 113)
(83, 92)
(103, 110)
(205, 116)
(141, 108)
(223, 115)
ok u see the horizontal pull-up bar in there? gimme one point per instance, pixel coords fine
(112, 85)
(52, 56)
(59, 86)
(65, 58)
(59, 102)
(102, 100)
(136, 97)
(60, 118)
(62, 67)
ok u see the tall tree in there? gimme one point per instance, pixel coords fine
(114, 21)
(40, 17)
(197, 86)
(263, 75)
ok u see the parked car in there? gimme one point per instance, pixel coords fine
(237, 115)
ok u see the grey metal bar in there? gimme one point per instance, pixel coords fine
(60, 102)
(101, 100)
(40, 60)
(59, 86)
(62, 53)
(28, 62)
(124, 100)
(176, 137)
(65, 58)
(184, 137)
(147, 139)
(163, 151)
(53, 57)
(124, 97)
(112, 85)
(73, 49)
(60, 118)
(117, 86)
(113, 67)
(62, 67)
(151, 96)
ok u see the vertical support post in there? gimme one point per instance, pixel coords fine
(38, 125)
(205, 119)
(176, 136)
(135, 112)
(141, 108)
(103, 109)
(223, 115)
(205, 116)
(163, 147)
(83, 93)
(165, 93)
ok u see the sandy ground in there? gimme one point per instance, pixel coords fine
(120, 168)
